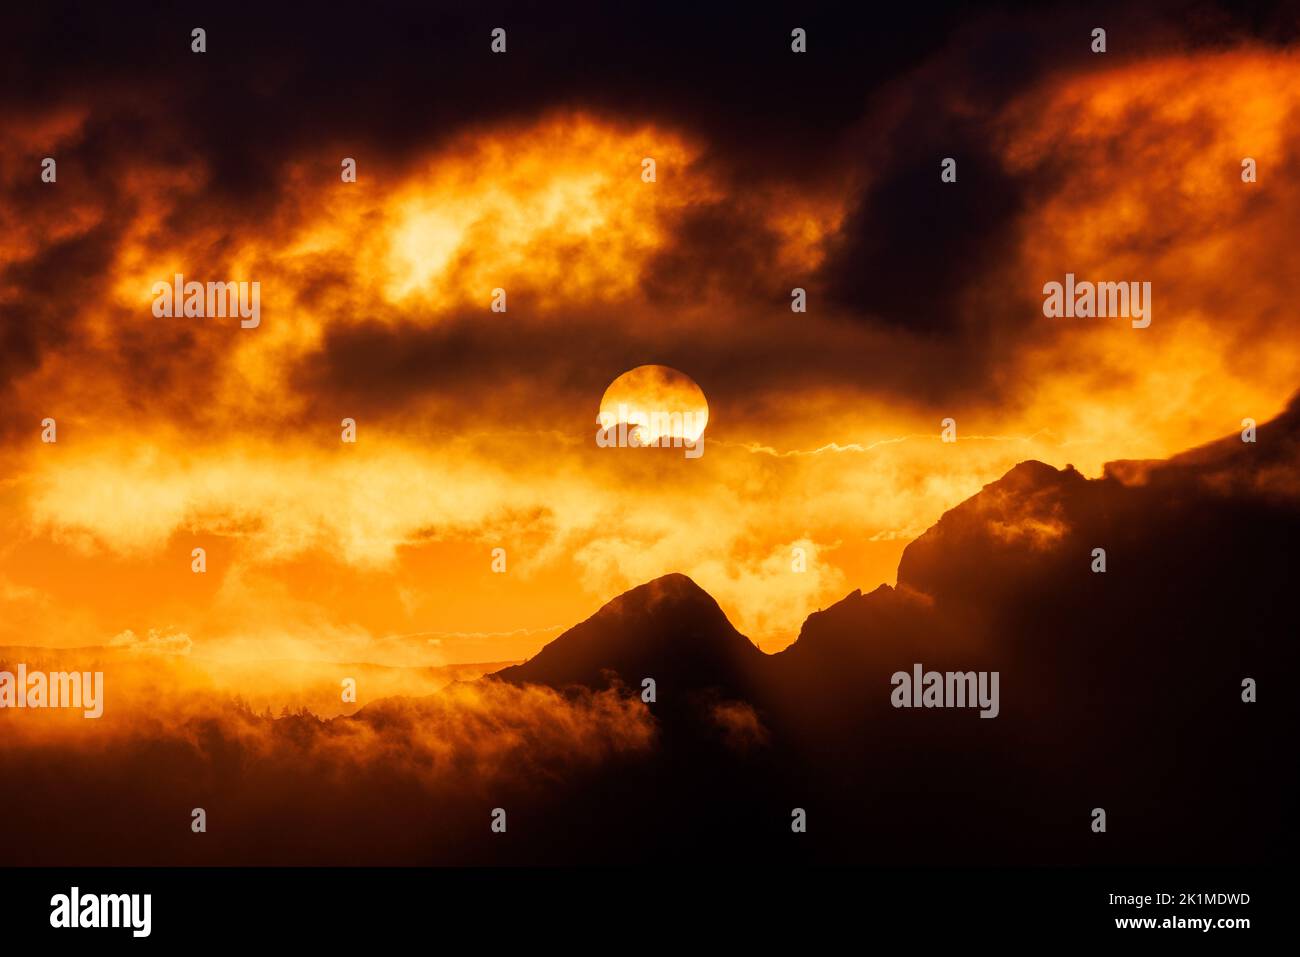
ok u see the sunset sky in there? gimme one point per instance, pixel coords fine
(476, 429)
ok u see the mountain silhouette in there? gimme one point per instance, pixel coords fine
(1120, 689)
(668, 629)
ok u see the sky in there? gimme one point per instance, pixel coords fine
(476, 429)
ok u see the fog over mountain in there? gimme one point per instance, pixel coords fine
(1120, 690)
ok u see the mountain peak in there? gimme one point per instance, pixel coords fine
(666, 591)
(669, 629)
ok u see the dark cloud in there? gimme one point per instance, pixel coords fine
(473, 361)
(717, 248)
(880, 98)
(403, 74)
(50, 285)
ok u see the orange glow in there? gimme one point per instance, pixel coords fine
(183, 433)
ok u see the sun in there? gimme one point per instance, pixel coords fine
(663, 405)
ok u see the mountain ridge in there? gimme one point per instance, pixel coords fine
(973, 572)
